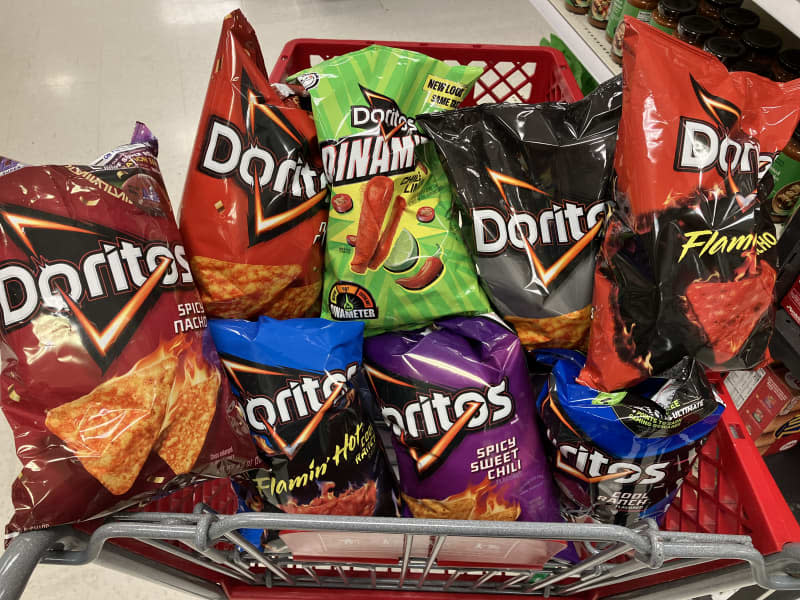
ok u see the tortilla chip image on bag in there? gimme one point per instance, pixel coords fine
(110, 379)
(394, 253)
(621, 457)
(460, 407)
(532, 182)
(688, 263)
(296, 383)
(253, 213)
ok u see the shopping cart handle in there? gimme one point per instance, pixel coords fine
(23, 554)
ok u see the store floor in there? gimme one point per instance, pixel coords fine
(74, 76)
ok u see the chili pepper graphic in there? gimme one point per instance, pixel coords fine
(430, 271)
(387, 238)
(378, 194)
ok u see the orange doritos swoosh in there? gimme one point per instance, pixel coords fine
(263, 224)
(426, 460)
(560, 464)
(371, 371)
(546, 275)
(232, 367)
(103, 340)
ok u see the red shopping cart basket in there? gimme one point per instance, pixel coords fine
(510, 73)
(729, 495)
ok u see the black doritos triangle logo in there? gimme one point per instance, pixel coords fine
(102, 280)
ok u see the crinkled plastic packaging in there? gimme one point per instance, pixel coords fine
(532, 183)
(110, 379)
(254, 205)
(687, 265)
(295, 380)
(394, 257)
(621, 457)
(459, 402)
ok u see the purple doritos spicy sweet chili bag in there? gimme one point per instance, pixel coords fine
(459, 402)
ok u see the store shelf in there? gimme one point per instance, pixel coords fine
(588, 43)
(785, 12)
(590, 46)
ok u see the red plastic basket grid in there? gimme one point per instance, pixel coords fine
(510, 73)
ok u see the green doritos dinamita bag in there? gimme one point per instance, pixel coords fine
(394, 253)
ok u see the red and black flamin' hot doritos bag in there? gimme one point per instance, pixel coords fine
(254, 214)
(110, 379)
(688, 263)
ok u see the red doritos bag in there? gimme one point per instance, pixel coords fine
(687, 266)
(110, 379)
(254, 211)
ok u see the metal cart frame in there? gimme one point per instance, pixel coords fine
(649, 552)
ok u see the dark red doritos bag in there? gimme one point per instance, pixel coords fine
(110, 379)
(687, 266)
(254, 212)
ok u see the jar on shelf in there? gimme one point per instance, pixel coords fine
(735, 21)
(614, 17)
(787, 66)
(751, 67)
(598, 13)
(762, 46)
(579, 7)
(638, 9)
(784, 174)
(696, 29)
(713, 8)
(670, 12)
(728, 51)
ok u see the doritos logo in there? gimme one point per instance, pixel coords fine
(591, 465)
(387, 148)
(285, 406)
(430, 421)
(564, 223)
(382, 113)
(717, 144)
(103, 280)
(266, 160)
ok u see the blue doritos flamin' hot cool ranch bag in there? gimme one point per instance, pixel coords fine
(621, 457)
(294, 380)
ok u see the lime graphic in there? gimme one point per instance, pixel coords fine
(609, 399)
(405, 253)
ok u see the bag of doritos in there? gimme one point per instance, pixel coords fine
(532, 182)
(394, 253)
(621, 457)
(253, 213)
(460, 406)
(295, 381)
(110, 380)
(687, 266)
